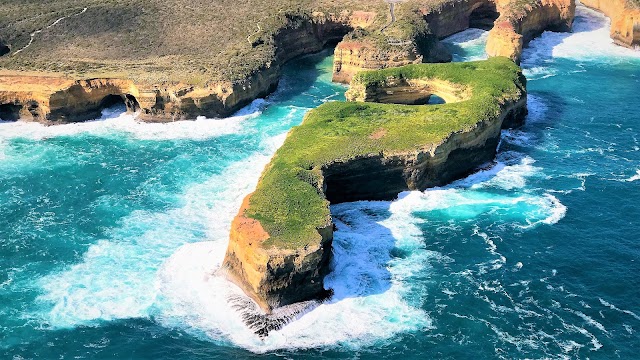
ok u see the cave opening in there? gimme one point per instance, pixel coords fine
(125, 102)
(484, 16)
(4, 49)
(10, 112)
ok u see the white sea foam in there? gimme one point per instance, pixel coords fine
(613, 307)
(634, 177)
(375, 297)
(589, 40)
(116, 277)
(116, 121)
(472, 41)
(372, 302)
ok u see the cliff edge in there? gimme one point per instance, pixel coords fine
(169, 60)
(412, 35)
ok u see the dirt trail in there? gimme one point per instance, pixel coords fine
(33, 34)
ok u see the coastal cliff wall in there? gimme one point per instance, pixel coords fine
(275, 277)
(58, 100)
(45, 98)
(625, 20)
(511, 33)
(513, 24)
(383, 177)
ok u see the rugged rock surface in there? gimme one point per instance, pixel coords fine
(520, 25)
(267, 274)
(278, 253)
(375, 39)
(625, 19)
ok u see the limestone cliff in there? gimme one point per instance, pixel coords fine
(40, 98)
(520, 25)
(266, 274)
(625, 20)
(371, 149)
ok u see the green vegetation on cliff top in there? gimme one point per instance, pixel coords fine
(287, 200)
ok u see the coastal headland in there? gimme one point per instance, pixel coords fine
(625, 19)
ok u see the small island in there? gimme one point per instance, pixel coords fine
(371, 147)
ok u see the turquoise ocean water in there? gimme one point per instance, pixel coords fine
(111, 231)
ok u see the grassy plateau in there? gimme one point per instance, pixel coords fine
(288, 200)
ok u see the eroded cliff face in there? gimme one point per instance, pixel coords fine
(384, 176)
(276, 277)
(54, 99)
(50, 99)
(517, 27)
(352, 56)
(625, 20)
(512, 26)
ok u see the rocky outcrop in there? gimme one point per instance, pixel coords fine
(278, 253)
(55, 99)
(266, 274)
(519, 25)
(625, 20)
(44, 99)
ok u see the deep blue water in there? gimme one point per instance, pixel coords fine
(112, 230)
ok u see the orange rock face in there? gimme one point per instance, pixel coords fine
(514, 29)
(274, 277)
(353, 56)
(625, 20)
(40, 98)
(50, 99)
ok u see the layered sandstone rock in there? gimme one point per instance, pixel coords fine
(278, 254)
(519, 25)
(40, 98)
(266, 274)
(625, 20)
(51, 98)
